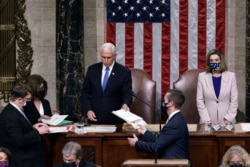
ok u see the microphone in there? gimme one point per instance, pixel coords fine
(144, 102)
(156, 155)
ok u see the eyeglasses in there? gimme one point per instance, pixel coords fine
(27, 99)
(235, 163)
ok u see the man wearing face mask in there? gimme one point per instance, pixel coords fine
(217, 94)
(38, 107)
(172, 142)
(72, 156)
(17, 133)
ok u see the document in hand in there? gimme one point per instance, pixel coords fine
(56, 120)
(130, 118)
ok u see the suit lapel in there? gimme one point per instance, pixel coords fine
(224, 84)
(209, 83)
(99, 76)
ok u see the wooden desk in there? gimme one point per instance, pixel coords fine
(112, 149)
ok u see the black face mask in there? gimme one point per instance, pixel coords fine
(236, 165)
(164, 107)
(71, 164)
(28, 102)
(41, 94)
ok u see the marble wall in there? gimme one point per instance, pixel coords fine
(41, 18)
(41, 15)
(235, 45)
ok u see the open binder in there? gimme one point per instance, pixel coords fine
(57, 120)
(130, 118)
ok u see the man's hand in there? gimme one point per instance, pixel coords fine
(125, 107)
(91, 115)
(141, 129)
(41, 128)
(132, 140)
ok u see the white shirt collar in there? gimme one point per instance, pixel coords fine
(172, 114)
(19, 109)
(110, 67)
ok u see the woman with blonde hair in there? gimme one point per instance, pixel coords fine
(236, 156)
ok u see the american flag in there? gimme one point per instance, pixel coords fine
(165, 37)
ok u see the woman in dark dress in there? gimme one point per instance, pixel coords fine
(38, 107)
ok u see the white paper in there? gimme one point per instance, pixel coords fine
(57, 129)
(245, 127)
(100, 128)
(55, 119)
(192, 127)
(130, 118)
(126, 115)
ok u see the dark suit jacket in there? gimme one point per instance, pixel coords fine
(33, 114)
(21, 139)
(118, 91)
(83, 163)
(172, 143)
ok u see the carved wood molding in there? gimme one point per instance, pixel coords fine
(23, 38)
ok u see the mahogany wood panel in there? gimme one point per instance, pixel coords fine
(112, 149)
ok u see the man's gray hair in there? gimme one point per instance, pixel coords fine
(72, 148)
(108, 46)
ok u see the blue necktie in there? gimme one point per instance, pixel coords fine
(105, 79)
(25, 117)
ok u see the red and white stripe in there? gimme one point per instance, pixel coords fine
(166, 50)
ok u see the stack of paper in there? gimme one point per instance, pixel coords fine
(57, 129)
(245, 127)
(100, 128)
(130, 118)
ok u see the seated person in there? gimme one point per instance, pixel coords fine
(38, 107)
(72, 156)
(236, 156)
(5, 157)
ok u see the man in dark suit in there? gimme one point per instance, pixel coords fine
(17, 133)
(172, 142)
(102, 94)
